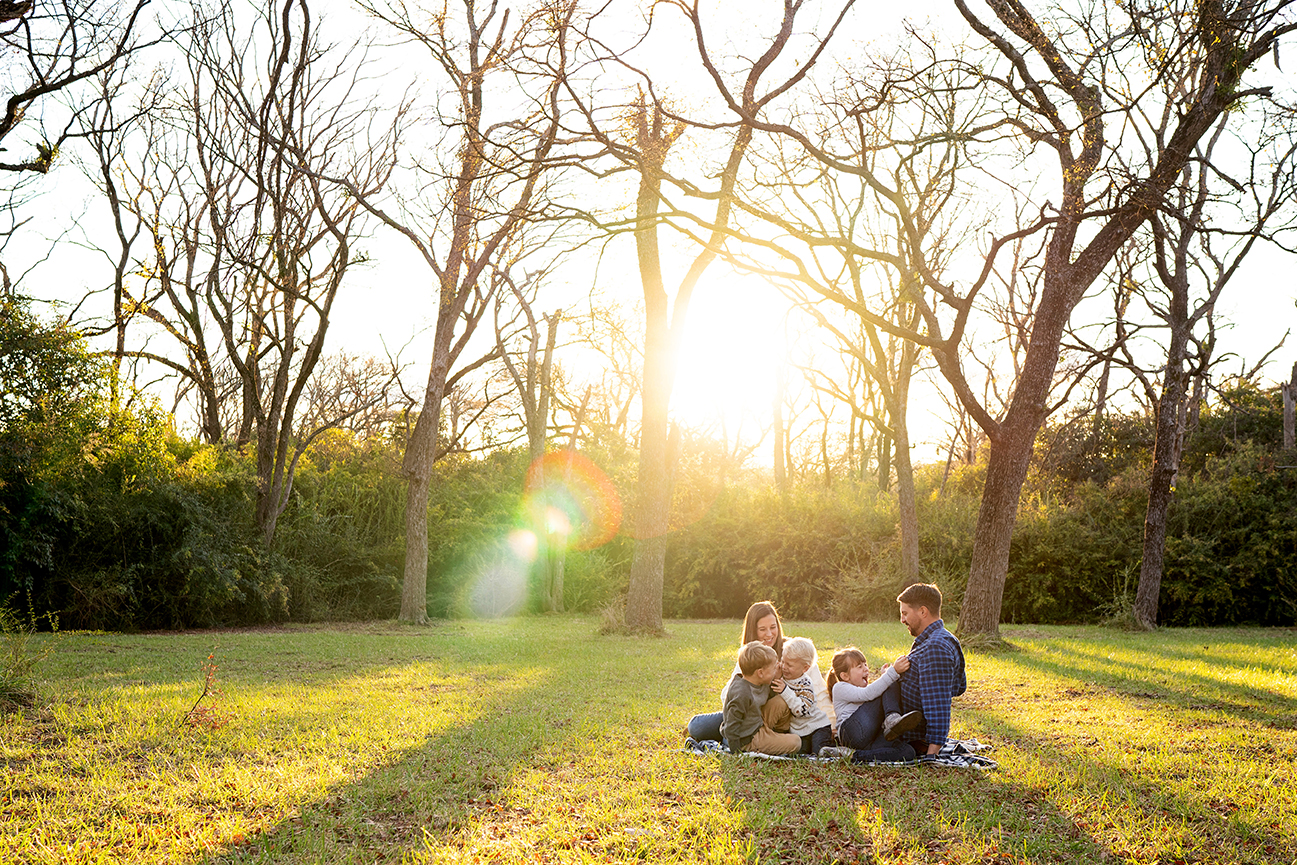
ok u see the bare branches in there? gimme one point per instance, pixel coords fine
(53, 47)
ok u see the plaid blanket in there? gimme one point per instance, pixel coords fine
(956, 753)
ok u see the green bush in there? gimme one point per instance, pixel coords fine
(1231, 553)
(809, 552)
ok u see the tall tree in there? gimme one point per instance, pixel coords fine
(532, 374)
(501, 81)
(1197, 249)
(654, 130)
(1068, 88)
(836, 243)
(248, 249)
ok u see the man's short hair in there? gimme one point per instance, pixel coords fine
(754, 656)
(922, 595)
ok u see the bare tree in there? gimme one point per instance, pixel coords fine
(357, 394)
(54, 55)
(532, 377)
(654, 129)
(481, 186)
(1195, 255)
(1071, 87)
(284, 242)
(248, 250)
(606, 404)
(51, 48)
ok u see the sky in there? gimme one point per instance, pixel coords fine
(738, 329)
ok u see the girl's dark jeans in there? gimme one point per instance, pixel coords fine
(864, 729)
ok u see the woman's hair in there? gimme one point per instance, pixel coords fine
(799, 648)
(756, 613)
(844, 660)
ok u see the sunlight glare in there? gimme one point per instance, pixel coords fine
(570, 496)
(557, 523)
(730, 355)
(500, 586)
(524, 544)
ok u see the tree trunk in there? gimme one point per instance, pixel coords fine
(884, 462)
(911, 571)
(555, 543)
(824, 455)
(1166, 459)
(1289, 391)
(781, 472)
(420, 453)
(908, 510)
(1006, 467)
(644, 594)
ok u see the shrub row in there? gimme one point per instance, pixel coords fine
(112, 521)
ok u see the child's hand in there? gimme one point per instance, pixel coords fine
(777, 686)
(902, 663)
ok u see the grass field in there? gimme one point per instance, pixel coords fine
(537, 740)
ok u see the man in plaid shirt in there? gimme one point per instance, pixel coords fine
(936, 667)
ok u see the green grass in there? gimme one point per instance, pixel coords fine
(538, 741)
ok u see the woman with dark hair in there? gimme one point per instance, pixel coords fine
(761, 623)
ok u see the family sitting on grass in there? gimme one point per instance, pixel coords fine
(778, 703)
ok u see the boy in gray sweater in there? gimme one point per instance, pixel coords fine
(742, 725)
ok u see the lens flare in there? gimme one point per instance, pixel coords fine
(524, 544)
(556, 522)
(569, 495)
(500, 588)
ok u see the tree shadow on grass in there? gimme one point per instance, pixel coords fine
(1113, 791)
(1186, 688)
(567, 764)
(806, 812)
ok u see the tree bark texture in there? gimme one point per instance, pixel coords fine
(1166, 463)
(911, 569)
(653, 503)
(1010, 455)
(420, 453)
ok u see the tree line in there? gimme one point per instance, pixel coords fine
(954, 202)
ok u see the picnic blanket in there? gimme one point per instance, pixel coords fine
(955, 753)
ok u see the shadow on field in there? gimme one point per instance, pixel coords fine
(1134, 679)
(804, 812)
(456, 788)
(1120, 793)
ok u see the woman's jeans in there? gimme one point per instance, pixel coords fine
(706, 726)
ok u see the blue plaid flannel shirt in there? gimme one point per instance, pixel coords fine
(936, 674)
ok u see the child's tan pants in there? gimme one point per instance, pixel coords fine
(773, 737)
(776, 714)
(767, 741)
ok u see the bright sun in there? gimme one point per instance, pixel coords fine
(732, 349)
